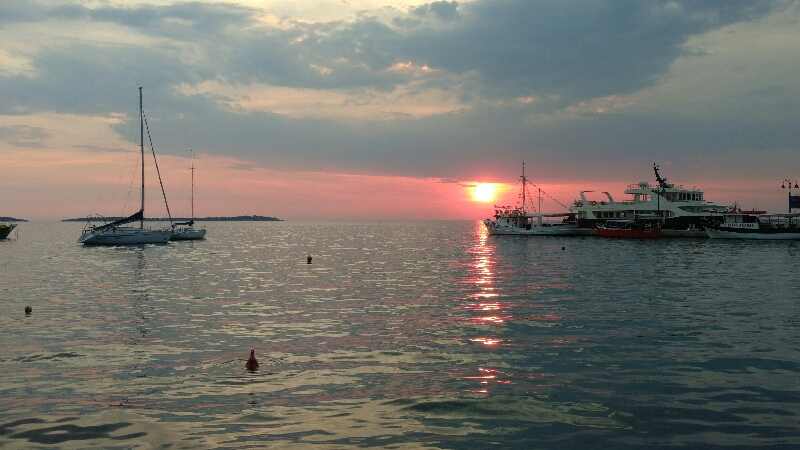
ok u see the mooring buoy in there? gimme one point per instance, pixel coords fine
(252, 363)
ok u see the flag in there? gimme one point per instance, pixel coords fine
(794, 201)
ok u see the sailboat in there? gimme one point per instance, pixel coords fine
(186, 232)
(115, 233)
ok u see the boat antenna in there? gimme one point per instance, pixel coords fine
(662, 182)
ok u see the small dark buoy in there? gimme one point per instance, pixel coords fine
(308, 259)
(252, 364)
(562, 248)
(28, 310)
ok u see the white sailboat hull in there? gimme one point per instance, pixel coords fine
(185, 234)
(125, 236)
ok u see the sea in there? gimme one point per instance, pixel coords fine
(397, 335)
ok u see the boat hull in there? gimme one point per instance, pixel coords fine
(559, 229)
(628, 233)
(188, 234)
(125, 236)
(5, 230)
(757, 234)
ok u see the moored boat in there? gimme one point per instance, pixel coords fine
(115, 233)
(519, 221)
(679, 208)
(740, 225)
(6, 229)
(185, 231)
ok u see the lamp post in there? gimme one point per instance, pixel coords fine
(783, 186)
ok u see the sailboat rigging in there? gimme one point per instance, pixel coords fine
(115, 233)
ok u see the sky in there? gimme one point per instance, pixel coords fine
(382, 110)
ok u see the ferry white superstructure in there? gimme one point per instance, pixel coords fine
(679, 208)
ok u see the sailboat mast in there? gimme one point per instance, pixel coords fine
(141, 146)
(523, 187)
(192, 154)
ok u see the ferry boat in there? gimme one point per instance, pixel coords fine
(678, 208)
(519, 221)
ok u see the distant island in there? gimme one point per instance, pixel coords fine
(11, 219)
(196, 219)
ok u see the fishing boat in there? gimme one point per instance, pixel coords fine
(637, 229)
(6, 229)
(115, 233)
(678, 207)
(520, 221)
(743, 225)
(184, 231)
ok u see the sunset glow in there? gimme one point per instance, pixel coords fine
(417, 134)
(484, 192)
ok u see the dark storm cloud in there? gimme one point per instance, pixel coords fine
(575, 49)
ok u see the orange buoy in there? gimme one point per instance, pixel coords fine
(252, 364)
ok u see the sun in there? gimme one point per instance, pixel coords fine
(484, 192)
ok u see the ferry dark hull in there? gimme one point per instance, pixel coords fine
(772, 234)
(675, 223)
(628, 233)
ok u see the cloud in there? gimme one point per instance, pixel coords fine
(24, 136)
(571, 50)
(426, 90)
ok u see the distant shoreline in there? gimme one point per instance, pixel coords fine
(11, 219)
(186, 219)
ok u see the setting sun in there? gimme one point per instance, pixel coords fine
(484, 192)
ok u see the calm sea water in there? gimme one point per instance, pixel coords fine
(398, 335)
